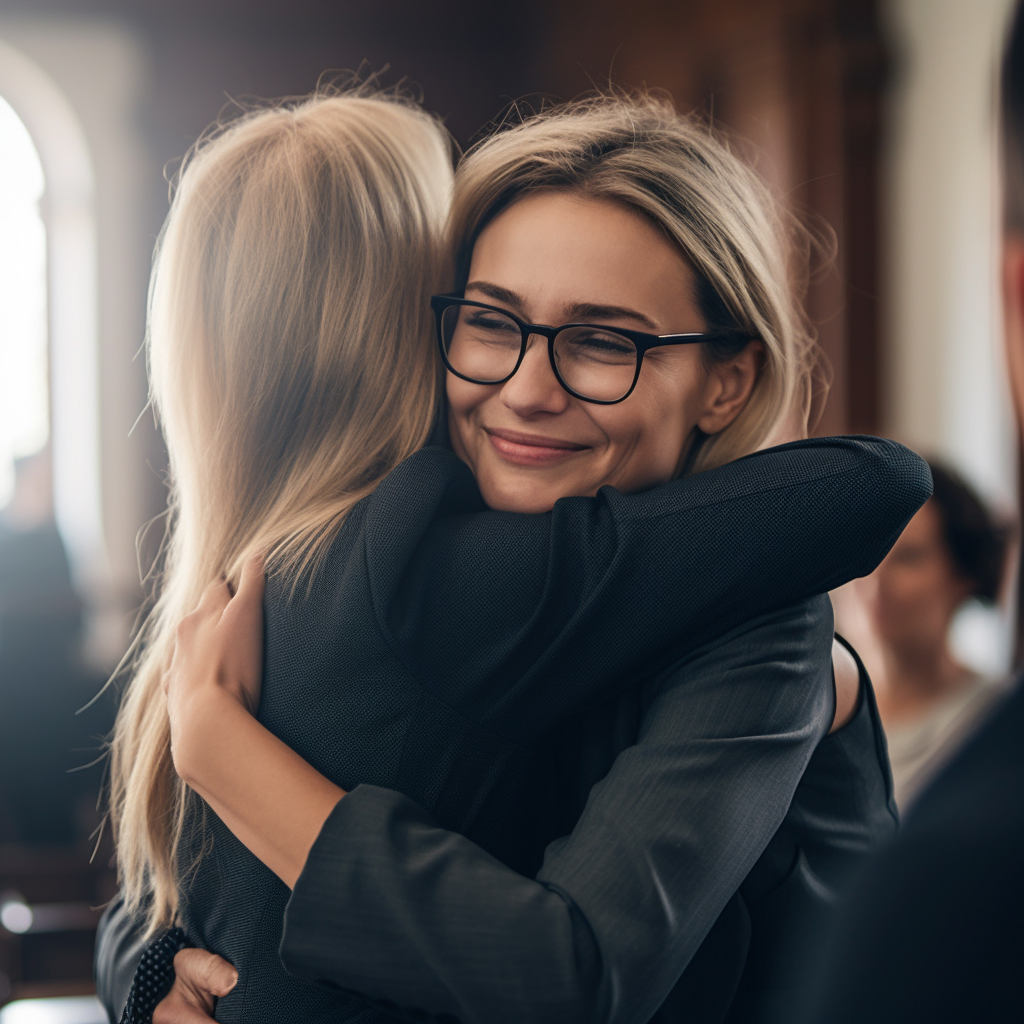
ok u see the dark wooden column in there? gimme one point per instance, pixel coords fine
(802, 82)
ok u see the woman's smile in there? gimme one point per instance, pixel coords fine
(531, 449)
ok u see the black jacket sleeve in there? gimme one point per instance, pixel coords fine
(420, 921)
(120, 943)
(497, 603)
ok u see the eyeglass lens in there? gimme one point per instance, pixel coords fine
(484, 346)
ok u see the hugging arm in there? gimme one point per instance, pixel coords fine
(773, 527)
(411, 915)
(585, 593)
(416, 919)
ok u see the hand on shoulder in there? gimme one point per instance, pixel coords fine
(218, 660)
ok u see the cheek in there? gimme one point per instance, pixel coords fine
(457, 393)
(663, 413)
(914, 594)
(647, 435)
(463, 400)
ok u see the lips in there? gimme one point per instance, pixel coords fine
(531, 449)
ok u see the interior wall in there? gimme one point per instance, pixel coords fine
(945, 388)
(944, 382)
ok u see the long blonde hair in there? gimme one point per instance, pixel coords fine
(678, 173)
(291, 367)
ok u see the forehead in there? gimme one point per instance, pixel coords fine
(558, 249)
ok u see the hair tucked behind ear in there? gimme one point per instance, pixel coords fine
(638, 150)
(291, 366)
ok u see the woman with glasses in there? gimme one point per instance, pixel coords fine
(623, 318)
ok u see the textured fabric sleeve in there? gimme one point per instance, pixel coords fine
(499, 603)
(120, 943)
(419, 920)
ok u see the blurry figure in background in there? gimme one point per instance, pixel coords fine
(39, 610)
(932, 932)
(953, 550)
(42, 683)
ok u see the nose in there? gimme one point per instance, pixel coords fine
(534, 388)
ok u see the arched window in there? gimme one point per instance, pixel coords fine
(63, 220)
(24, 388)
(76, 88)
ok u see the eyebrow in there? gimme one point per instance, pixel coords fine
(577, 311)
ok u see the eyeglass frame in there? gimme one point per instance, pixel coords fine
(640, 339)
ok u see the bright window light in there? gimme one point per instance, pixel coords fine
(54, 1010)
(24, 406)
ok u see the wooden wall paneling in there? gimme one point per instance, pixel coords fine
(803, 80)
(815, 71)
(865, 78)
(800, 83)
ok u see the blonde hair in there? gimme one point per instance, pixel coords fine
(291, 367)
(638, 150)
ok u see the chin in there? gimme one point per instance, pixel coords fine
(517, 499)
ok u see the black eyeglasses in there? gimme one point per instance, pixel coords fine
(486, 345)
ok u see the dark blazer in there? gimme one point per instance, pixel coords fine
(934, 931)
(443, 644)
(696, 864)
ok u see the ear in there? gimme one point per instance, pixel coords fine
(1013, 317)
(729, 386)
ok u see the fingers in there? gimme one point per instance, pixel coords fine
(174, 1008)
(243, 618)
(215, 598)
(204, 971)
(199, 978)
(218, 595)
(253, 581)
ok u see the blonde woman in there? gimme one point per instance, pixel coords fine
(438, 647)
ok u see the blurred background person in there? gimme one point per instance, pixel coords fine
(953, 551)
(48, 810)
(42, 681)
(932, 932)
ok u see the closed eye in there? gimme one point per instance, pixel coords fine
(490, 322)
(579, 343)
